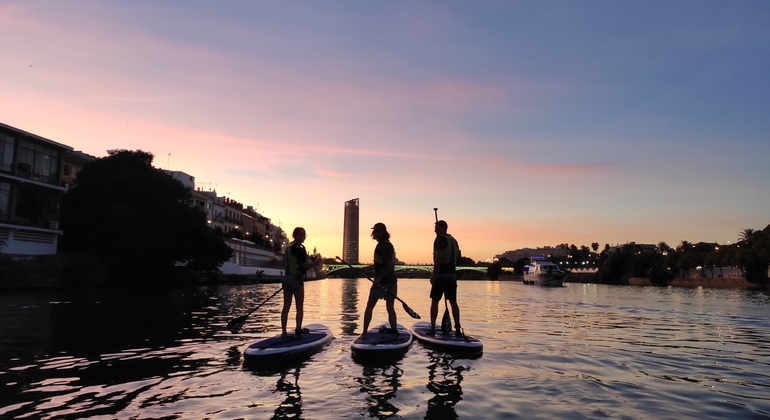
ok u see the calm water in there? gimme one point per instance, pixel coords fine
(581, 351)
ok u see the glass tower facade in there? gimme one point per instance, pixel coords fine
(350, 232)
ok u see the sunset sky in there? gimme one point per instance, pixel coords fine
(526, 123)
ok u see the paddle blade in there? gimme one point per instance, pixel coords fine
(446, 322)
(409, 310)
(235, 325)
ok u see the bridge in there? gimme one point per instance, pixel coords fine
(331, 268)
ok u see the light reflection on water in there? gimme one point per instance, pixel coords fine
(581, 351)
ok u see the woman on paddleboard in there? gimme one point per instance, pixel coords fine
(296, 263)
(384, 284)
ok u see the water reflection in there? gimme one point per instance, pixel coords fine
(291, 407)
(349, 306)
(444, 381)
(380, 382)
(233, 356)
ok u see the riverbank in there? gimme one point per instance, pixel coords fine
(710, 282)
(55, 271)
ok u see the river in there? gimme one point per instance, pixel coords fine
(581, 351)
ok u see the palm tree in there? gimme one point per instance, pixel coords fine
(663, 247)
(685, 246)
(746, 235)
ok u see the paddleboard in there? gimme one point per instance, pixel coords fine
(447, 342)
(380, 343)
(279, 349)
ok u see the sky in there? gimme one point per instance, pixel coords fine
(526, 123)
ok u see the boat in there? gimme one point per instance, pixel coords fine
(447, 342)
(278, 349)
(380, 343)
(543, 273)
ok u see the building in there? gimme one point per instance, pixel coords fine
(186, 180)
(31, 188)
(350, 232)
(72, 163)
(545, 252)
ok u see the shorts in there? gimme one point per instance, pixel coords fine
(293, 282)
(390, 293)
(446, 285)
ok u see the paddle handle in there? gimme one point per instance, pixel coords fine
(265, 301)
(408, 310)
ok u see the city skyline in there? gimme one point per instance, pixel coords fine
(525, 123)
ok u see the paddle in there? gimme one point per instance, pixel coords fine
(235, 324)
(408, 310)
(446, 321)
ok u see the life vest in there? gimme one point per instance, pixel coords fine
(448, 256)
(291, 262)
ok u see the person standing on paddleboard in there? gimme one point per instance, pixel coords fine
(384, 268)
(443, 279)
(296, 263)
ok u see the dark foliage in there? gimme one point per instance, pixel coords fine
(494, 270)
(136, 219)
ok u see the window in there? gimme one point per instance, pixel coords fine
(37, 206)
(6, 152)
(40, 159)
(5, 200)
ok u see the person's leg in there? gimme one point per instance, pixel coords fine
(285, 311)
(433, 314)
(455, 313)
(451, 295)
(436, 291)
(368, 314)
(389, 303)
(299, 297)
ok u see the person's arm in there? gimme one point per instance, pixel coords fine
(312, 262)
(302, 257)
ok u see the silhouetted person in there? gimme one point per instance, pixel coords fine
(385, 276)
(296, 263)
(443, 279)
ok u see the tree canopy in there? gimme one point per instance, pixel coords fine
(136, 219)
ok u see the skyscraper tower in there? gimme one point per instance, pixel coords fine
(350, 232)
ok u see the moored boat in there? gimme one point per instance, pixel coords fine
(543, 273)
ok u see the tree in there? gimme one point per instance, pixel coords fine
(494, 270)
(754, 255)
(518, 266)
(136, 219)
(465, 262)
(746, 235)
(595, 246)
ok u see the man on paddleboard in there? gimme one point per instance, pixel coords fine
(443, 279)
(384, 268)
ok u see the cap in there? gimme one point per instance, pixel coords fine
(379, 225)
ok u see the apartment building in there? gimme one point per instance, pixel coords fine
(31, 188)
